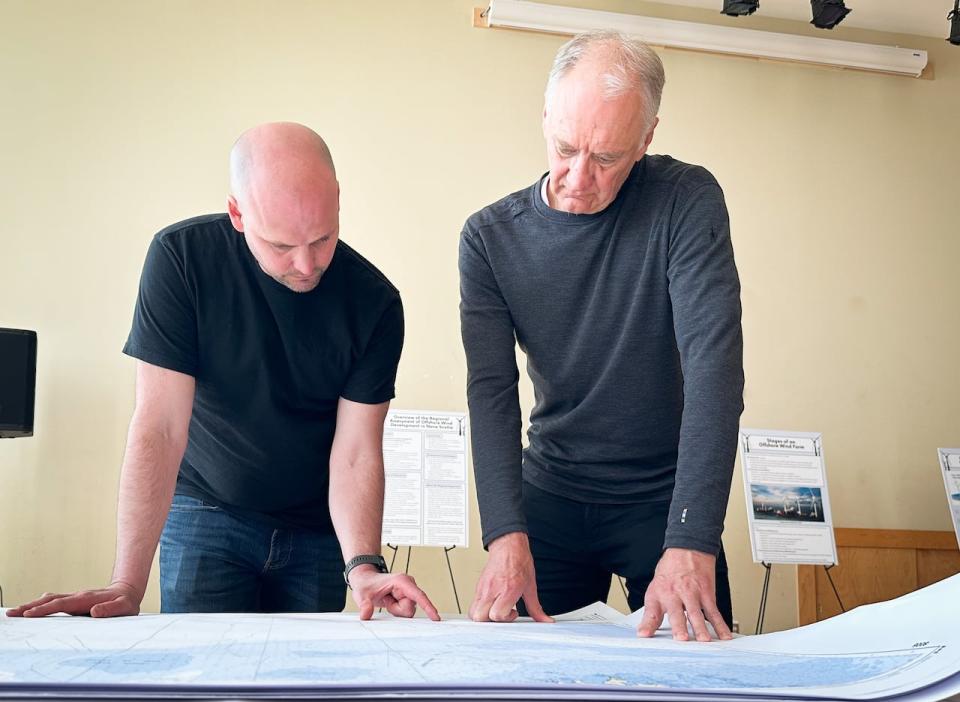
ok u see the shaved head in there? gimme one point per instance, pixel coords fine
(285, 199)
(276, 155)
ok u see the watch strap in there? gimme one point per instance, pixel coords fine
(375, 560)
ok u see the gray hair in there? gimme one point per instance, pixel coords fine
(632, 66)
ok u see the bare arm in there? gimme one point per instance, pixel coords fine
(155, 444)
(356, 507)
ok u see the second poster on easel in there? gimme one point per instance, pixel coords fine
(788, 506)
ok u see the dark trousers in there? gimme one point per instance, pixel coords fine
(213, 561)
(578, 546)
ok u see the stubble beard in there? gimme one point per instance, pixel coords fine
(301, 286)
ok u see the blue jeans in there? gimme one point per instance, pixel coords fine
(213, 561)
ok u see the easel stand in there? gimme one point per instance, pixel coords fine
(766, 590)
(406, 569)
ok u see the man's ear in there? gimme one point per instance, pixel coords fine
(233, 209)
(646, 141)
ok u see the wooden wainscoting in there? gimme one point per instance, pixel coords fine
(875, 565)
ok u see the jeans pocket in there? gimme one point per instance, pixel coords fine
(186, 503)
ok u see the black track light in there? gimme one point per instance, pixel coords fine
(736, 8)
(827, 14)
(954, 17)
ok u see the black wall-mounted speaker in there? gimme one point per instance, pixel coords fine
(18, 381)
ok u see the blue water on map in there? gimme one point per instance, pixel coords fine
(585, 654)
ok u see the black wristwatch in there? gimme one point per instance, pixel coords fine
(374, 560)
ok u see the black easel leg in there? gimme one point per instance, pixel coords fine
(763, 598)
(826, 569)
(453, 583)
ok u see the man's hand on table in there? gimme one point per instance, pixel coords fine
(116, 600)
(396, 592)
(684, 588)
(507, 577)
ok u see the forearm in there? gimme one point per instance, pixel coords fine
(497, 458)
(356, 503)
(147, 482)
(704, 470)
(495, 438)
(712, 404)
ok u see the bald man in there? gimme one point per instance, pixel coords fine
(614, 272)
(267, 351)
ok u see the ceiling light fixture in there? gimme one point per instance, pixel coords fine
(560, 19)
(738, 8)
(954, 17)
(827, 14)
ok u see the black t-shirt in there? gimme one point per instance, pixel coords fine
(270, 364)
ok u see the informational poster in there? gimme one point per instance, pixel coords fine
(788, 508)
(950, 465)
(425, 461)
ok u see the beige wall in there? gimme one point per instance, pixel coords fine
(116, 117)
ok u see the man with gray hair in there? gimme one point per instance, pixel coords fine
(614, 272)
(267, 351)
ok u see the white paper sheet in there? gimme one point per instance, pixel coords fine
(906, 649)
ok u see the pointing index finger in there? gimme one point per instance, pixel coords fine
(420, 597)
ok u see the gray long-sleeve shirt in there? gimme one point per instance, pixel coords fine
(630, 322)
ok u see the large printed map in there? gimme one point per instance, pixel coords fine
(854, 656)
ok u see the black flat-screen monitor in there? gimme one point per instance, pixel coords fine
(18, 381)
